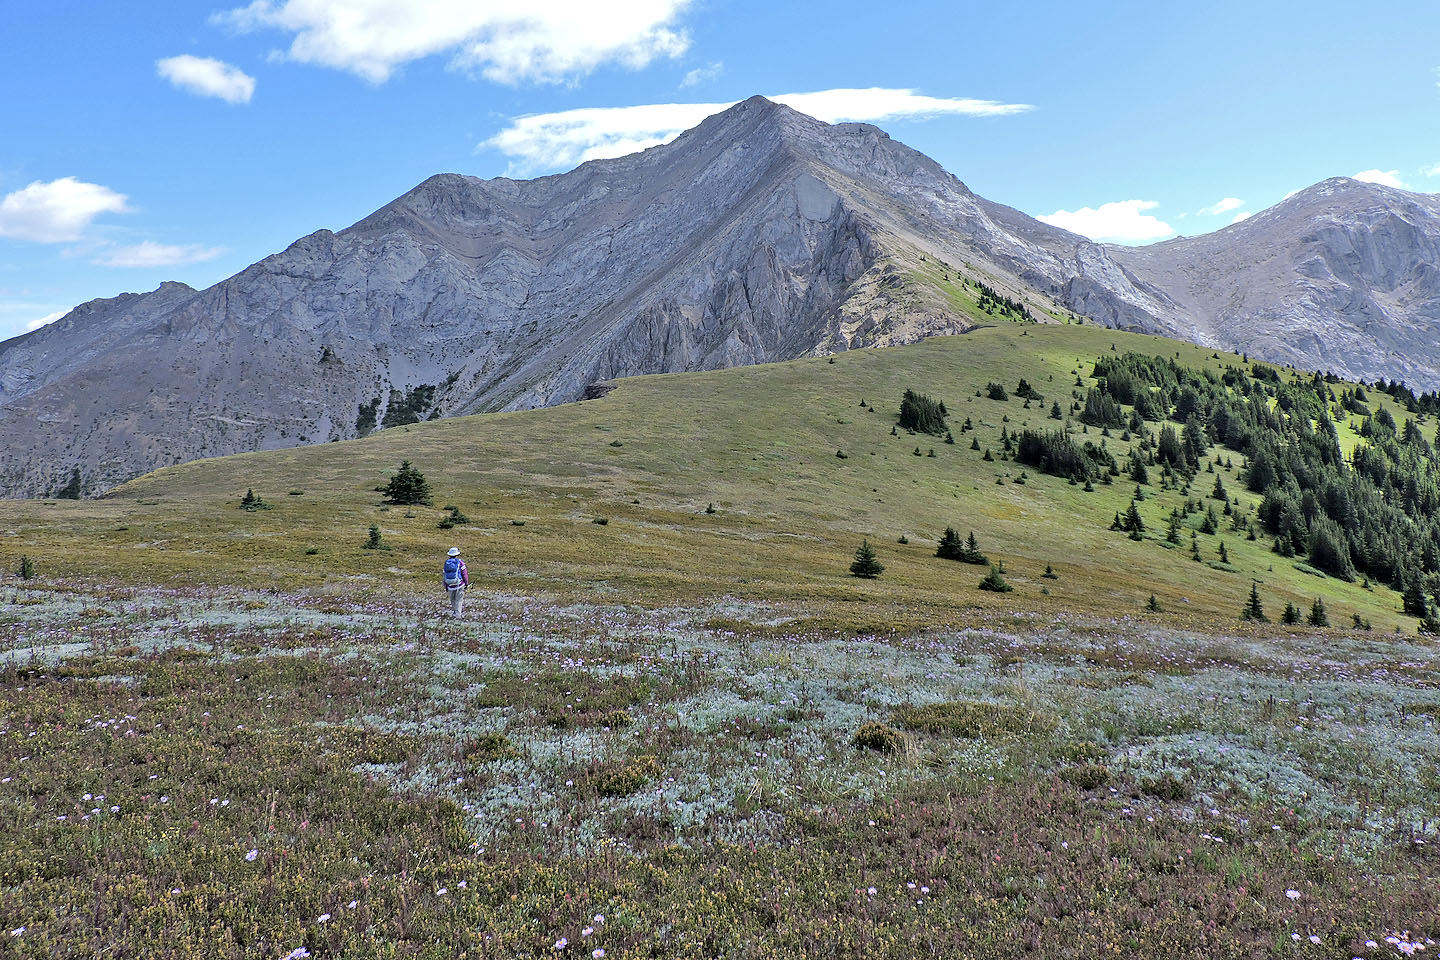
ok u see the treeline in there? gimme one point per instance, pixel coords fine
(1375, 515)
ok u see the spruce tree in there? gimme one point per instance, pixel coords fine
(1253, 609)
(1219, 493)
(1414, 599)
(1132, 521)
(1318, 616)
(374, 541)
(1224, 554)
(26, 569)
(408, 486)
(1153, 605)
(866, 565)
(995, 582)
(950, 546)
(972, 550)
(1291, 614)
(1172, 534)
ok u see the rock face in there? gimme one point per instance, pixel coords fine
(1342, 276)
(760, 235)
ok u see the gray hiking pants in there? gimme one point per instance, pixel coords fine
(457, 599)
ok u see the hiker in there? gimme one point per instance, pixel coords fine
(457, 578)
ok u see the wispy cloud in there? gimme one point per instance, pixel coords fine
(1386, 178)
(550, 41)
(1120, 221)
(1221, 206)
(1242, 215)
(548, 141)
(150, 254)
(207, 77)
(56, 211)
(704, 74)
(1432, 171)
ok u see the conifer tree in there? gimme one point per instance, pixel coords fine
(1153, 605)
(972, 550)
(995, 582)
(950, 546)
(1291, 614)
(1224, 554)
(1219, 492)
(408, 486)
(1172, 535)
(1132, 521)
(866, 565)
(374, 541)
(1253, 609)
(1318, 615)
(1414, 599)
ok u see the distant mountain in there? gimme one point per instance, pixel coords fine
(1342, 276)
(762, 234)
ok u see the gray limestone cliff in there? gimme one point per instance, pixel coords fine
(760, 235)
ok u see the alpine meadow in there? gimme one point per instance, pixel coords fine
(702, 526)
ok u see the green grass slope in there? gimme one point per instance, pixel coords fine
(762, 444)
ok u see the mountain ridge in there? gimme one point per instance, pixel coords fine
(760, 234)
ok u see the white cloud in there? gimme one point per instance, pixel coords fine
(703, 74)
(57, 211)
(547, 141)
(39, 322)
(151, 254)
(1242, 215)
(544, 41)
(1386, 178)
(1432, 171)
(1121, 221)
(1221, 206)
(207, 77)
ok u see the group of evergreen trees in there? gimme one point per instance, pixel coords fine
(951, 547)
(992, 302)
(1375, 514)
(920, 414)
(1055, 453)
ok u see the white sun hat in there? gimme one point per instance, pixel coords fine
(454, 552)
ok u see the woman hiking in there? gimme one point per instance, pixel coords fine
(456, 578)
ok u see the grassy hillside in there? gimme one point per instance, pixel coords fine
(684, 733)
(762, 445)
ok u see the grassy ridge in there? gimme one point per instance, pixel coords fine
(238, 734)
(760, 443)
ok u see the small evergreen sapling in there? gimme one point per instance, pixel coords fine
(1153, 605)
(26, 569)
(866, 565)
(1318, 615)
(375, 541)
(1254, 611)
(250, 502)
(995, 582)
(1291, 616)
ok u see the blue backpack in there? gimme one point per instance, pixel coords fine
(452, 572)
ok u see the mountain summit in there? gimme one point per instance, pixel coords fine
(762, 234)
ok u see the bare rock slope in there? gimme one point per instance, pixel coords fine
(760, 235)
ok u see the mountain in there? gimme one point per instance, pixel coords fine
(761, 234)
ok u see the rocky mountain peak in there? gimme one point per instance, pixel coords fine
(761, 234)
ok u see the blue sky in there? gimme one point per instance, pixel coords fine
(167, 140)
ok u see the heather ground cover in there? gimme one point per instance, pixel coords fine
(269, 775)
